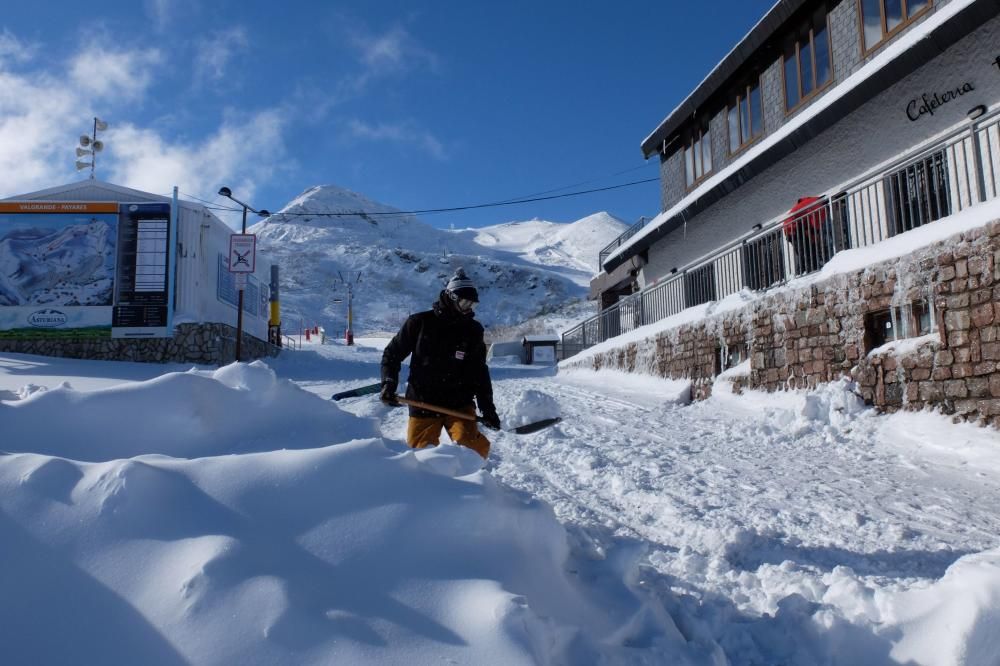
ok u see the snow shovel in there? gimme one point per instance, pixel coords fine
(520, 430)
(357, 392)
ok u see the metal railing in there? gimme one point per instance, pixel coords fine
(616, 243)
(956, 172)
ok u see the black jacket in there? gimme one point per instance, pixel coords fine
(448, 367)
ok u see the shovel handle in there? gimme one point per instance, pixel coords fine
(434, 408)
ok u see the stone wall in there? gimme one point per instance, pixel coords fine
(210, 344)
(798, 338)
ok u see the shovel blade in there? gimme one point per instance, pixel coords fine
(536, 426)
(357, 392)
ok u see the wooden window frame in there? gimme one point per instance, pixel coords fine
(887, 35)
(744, 93)
(817, 89)
(697, 134)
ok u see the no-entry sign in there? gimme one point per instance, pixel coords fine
(242, 253)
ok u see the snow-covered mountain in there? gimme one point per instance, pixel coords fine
(575, 245)
(396, 264)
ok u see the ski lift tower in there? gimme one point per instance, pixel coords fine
(349, 333)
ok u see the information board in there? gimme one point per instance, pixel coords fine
(57, 268)
(142, 292)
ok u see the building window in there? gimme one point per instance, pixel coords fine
(746, 118)
(731, 356)
(908, 321)
(807, 60)
(881, 19)
(697, 157)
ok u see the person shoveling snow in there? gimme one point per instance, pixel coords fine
(448, 370)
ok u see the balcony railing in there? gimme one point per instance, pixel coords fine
(958, 171)
(616, 243)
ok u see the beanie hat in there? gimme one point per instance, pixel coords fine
(460, 286)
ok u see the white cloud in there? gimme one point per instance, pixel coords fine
(394, 52)
(160, 12)
(240, 154)
(122, 74)
(14, 50)
(213, 54)
(43, 113)
(404, 133)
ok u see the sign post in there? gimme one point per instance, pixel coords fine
(242, 261)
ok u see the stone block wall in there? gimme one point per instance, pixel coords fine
(210, 344)
(801, 337)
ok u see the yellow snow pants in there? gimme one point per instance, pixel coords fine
(424, 431)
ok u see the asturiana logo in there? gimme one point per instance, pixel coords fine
(47, 318)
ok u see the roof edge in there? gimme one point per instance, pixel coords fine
(756, 38)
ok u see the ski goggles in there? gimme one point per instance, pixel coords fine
(465, 305)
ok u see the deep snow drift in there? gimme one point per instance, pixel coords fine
(238, 516)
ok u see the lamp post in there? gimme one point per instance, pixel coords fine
(226, 192)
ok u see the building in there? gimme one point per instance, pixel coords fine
(96, 270)
(832, 124)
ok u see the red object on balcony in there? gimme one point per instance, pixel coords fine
(807, 213)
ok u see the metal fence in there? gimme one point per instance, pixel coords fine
(960, 170)
(628, 233)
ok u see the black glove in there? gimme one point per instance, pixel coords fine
(388, 394)
(490, 417)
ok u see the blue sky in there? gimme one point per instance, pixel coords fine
(414, 104)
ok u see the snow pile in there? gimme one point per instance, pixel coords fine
(236, 409)
(531, 406)
(966, 601)
(359, 552)
(834, 405)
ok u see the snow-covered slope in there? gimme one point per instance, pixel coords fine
(397, 264)
(574, 245)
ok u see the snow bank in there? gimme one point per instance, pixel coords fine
(955, 620)
(236, 409)
(280, 553)
(345, 554)
(643, 388)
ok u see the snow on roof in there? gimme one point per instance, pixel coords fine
(99, 190)
(550, 337)
(886, 56)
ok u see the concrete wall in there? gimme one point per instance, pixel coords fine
(211, 344)
(800, 338)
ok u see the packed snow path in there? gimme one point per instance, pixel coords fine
(759, 517)
(721, 489)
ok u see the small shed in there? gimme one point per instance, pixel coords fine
(539, 348)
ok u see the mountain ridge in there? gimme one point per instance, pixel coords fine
(330, 237)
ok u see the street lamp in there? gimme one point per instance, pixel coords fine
(226, 192)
